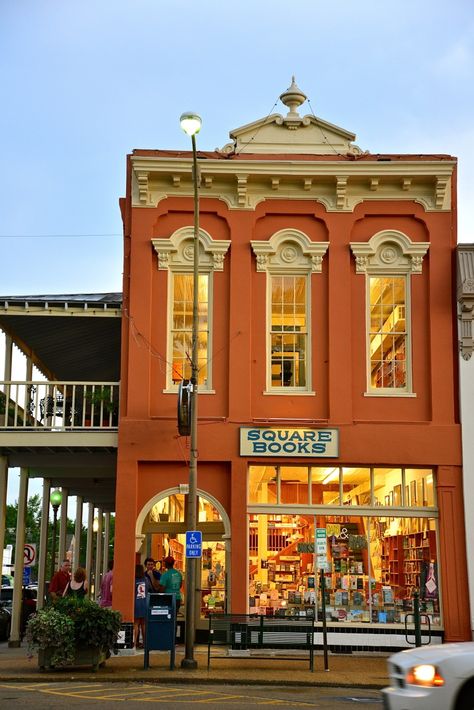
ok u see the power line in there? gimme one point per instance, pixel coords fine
(57, 236)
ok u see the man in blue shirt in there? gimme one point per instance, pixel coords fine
(152, 574)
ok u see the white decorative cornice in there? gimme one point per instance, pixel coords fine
(177, 252)
(389, 252)
(465, 298)
(142, 180)
(339, 186)
(289, 250)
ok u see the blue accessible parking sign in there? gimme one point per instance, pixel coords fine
(193, 543)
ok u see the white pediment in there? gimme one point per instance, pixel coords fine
(292, 134)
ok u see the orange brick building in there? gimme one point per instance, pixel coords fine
(328, 414)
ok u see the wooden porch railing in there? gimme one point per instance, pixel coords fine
(58, 405)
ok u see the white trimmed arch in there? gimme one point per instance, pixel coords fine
(175, 491)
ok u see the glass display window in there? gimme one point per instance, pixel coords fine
(356, 486)
(294, 485)
(262, 484)
(325, 485)
(419, 488)
(388, 487)
(371, 567)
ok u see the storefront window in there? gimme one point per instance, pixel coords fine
(294, 485)
(419, 491)
(356, 486)
(388, 488)
(262, 484)
(324, 485)
(372, 563)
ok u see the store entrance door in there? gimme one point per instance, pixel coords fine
(164, 531)
(212, 587)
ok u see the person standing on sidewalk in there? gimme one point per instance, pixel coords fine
(77, 586)
(142, 587)
(106, 586)
(152, 573)
(171, 581)
(60, 581)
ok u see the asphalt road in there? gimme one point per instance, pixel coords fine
(76, 695)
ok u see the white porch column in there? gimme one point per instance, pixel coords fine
(467, 419)
(98, 553)
(43, 545)
(19, 557)
(89, 543)
(63, 527)
(105, 556)
(76, 560)
(7, 370)
(3, 500)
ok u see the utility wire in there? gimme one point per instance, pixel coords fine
(57, 236)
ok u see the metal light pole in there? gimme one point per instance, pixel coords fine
(55, 500)
(191, 124)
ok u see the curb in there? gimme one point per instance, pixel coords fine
(186, 680)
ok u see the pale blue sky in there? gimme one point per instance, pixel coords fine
(84, 83)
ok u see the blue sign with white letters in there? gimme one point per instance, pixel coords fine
(26, 575)
(193, 543)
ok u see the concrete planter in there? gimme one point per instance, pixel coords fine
(84, 656)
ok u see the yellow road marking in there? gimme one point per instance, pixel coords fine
(86, 691)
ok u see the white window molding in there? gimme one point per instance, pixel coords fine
(177, 252)
(289, 252)
(389, 254)
(176, 255)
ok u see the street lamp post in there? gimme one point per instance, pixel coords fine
(191, 124)
(55, 500)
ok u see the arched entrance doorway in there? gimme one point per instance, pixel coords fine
(160, 531)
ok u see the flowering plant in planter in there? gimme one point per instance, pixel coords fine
(50, 629)
(70, 630)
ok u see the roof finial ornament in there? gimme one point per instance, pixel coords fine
(293, 97)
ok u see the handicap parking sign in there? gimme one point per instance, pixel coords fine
(193, 543)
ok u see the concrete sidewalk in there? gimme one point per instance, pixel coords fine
(368, 671)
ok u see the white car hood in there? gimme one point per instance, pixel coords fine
(433, 654)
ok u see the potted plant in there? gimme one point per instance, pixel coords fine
(102, 403)
(73, 632)
(11, 411)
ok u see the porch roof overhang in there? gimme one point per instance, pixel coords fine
(74, 337)
(68, 337)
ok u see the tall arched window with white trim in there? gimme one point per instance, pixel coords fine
(389, 259)
(176, 255)
(289, 258)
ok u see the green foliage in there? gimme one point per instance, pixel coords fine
(32, 528)
(72, 623)
(32, 522)
(50, 628)
(102, 396)
(93, 625)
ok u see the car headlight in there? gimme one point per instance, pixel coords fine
(426, 675)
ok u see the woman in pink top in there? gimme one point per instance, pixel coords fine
(106, 586)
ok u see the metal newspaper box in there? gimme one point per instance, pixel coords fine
(160, 625)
